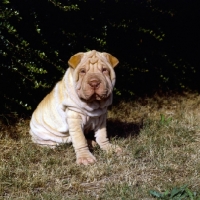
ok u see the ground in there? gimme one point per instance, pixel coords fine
(160, 137)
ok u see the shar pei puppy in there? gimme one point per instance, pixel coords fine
(78, 104)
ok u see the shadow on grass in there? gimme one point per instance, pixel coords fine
(119, 129)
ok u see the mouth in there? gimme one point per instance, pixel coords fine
(95, 97)
(100, 97)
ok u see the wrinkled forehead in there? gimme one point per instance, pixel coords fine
(94, 59)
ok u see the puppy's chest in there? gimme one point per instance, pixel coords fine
(91, 123)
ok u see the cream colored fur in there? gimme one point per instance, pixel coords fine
(77, 104)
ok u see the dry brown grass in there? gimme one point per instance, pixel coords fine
(159, 153)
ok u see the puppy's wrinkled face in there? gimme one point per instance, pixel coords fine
(93, 81)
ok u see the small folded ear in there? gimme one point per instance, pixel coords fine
(111, 59)
(75, 60)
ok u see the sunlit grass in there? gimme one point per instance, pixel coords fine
(160, 137)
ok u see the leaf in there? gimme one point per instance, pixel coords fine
(38, 30)
(162, 118)
(166, 193)
(189, 193)
(6, 2)
(176, 191)
(155, 193)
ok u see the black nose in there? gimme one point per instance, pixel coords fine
(94, 83)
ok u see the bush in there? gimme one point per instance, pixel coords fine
(155, 43)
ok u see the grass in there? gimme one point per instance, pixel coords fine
(160, 137)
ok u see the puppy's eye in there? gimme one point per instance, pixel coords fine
(104, 70)
(82, 71)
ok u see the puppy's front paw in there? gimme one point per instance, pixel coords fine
(85, 159)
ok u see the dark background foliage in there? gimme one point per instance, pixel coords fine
(157, 43)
